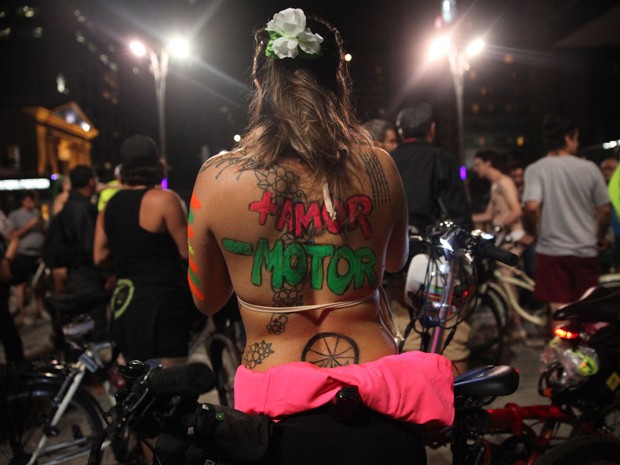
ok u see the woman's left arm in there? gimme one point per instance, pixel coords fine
(208, 276)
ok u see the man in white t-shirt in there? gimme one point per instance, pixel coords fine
(566, 205)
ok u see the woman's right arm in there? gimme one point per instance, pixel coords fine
(208, 275)
(398, 244)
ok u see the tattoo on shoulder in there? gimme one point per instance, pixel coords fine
(277, 325)
(222, 162)
(331, 350)
(378, 181)
(256, 353)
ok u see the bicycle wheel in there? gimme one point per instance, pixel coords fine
(225, 359)
(28, 408)
(584, 450)
(488, 327)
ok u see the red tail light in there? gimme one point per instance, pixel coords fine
(566, 332)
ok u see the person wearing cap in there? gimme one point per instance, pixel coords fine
(143, 231)
(434, 192)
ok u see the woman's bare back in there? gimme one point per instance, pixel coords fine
(287, 243)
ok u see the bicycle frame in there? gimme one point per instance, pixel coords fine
(512, 417)
(89, 360)
(520, 279)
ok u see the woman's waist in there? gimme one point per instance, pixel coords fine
(279, 342)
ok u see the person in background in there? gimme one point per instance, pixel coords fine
(24, 251)
(110, 189)
(566, 206)
(9, 335)
(504, 213)
(59, 273)
(143, 231)
(516, 171)
(435, 192)
(504, 209)
(383, 134)
(610, 258)
(61, 198)
(78, 222)
(431, 175)
(314, 214)
(79, 216)
(608, 167)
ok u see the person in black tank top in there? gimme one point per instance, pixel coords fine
(151, 302)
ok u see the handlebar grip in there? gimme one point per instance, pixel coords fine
(500, 255)
(187, 380)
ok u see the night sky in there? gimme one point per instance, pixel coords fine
(207, 97)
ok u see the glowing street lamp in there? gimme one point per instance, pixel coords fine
(458, 58)
(177, 47)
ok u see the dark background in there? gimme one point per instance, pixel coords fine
(541, 56)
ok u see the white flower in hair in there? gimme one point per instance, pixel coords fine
(290, 37)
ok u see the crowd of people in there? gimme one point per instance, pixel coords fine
(554, 213)
(300, 221)
(132, 245)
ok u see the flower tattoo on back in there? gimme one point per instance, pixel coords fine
(256, 353)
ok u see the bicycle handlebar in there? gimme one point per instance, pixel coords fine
(500, 255)
(185, 381)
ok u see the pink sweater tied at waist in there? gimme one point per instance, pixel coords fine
(415, 387)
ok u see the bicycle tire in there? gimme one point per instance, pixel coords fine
(488, 327)
(225, 359)
(584, 450)
(26, 408)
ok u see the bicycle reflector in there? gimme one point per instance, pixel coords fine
(566, 332)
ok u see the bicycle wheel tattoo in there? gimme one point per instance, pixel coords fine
(331, 350)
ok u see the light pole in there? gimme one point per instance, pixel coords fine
(159, 63)
(458, 60)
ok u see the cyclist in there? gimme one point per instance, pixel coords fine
(301, 220)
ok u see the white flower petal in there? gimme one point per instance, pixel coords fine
(290, 22)
(285, 47)
(310, 42)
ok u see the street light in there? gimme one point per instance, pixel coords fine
(178, 47)
(458, 58)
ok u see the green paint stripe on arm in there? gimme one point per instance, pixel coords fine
(236, 247)
(193, 277)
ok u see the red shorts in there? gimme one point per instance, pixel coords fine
(564, 279)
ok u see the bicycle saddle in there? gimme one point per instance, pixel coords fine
(600, 304)
(74, 304)
(490, 380)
